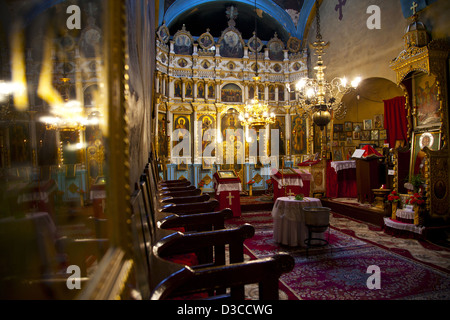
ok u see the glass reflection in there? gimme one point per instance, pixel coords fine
(53, 112)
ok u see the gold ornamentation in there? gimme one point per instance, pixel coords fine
(257, 178)
(207, 179)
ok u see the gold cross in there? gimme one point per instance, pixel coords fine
(414, 7)
(290, 193)
(230, 197)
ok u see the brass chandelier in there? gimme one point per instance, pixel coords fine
(317, 97)
(257, 114)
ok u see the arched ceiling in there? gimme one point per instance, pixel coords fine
(285, 17)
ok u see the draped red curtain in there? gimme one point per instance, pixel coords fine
(395, 120)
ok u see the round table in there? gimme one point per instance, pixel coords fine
(289, 220)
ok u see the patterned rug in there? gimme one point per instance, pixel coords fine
(340, 271)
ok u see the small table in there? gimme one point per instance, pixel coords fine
(289, 226)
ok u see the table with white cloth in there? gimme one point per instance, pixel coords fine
(289, 226)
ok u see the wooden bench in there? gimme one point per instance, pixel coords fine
(158, 278)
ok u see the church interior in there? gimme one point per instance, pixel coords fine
(228, 149)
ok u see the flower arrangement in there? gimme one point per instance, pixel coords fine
(269, 181)
(201, 184)
(251, 182)
(416, 198)
(415, 183)
(393, 197)
(300, 197)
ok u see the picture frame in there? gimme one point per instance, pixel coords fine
(342, 136)
(378, 121)
(182, 166)
(348, 126)
(425, 101)
(348, 152)
(358, 126)
(349, 141)
(338, 154)
(430, 139)
(365, 135)
(374, 134)
(338, 128)
(336, 136)
(383, 134)
(356, 135)
(368, 124)
(207, 164)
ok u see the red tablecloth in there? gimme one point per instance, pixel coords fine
(98, 196)
(306, 179)
(40, 195)
(230, 195)
(341, 184)
(287, 184)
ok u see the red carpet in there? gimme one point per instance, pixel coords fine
(339, 272)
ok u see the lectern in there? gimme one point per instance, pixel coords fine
(228, 188)
(368, 174)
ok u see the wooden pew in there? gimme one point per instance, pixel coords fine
(177, 194)
(183, 200)
(160, 279)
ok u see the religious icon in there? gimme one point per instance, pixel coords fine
(294, 45)
(378, 121)
(231, 93)
(178, 89)
(163, 33)
(368, 124)
(181, 129)
(365, 135)
(383, 135)
(374, 135)
(276, 50)
(357, 126)
(182, 166)
(338, 127)
(430, 140)
(207, 134)
(299, 136)
(337, 154)
(183, 44)
(189, 90)
(201, 90)
(231, 45)
(211, 93)
(348, 126)
(426, 101)
(206, 40)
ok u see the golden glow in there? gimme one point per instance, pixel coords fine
(45, 90)
(19, 79)
(257, 115)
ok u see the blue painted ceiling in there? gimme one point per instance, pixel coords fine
(285, 17)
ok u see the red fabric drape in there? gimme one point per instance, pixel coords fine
(341, 184)
(395, 120)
